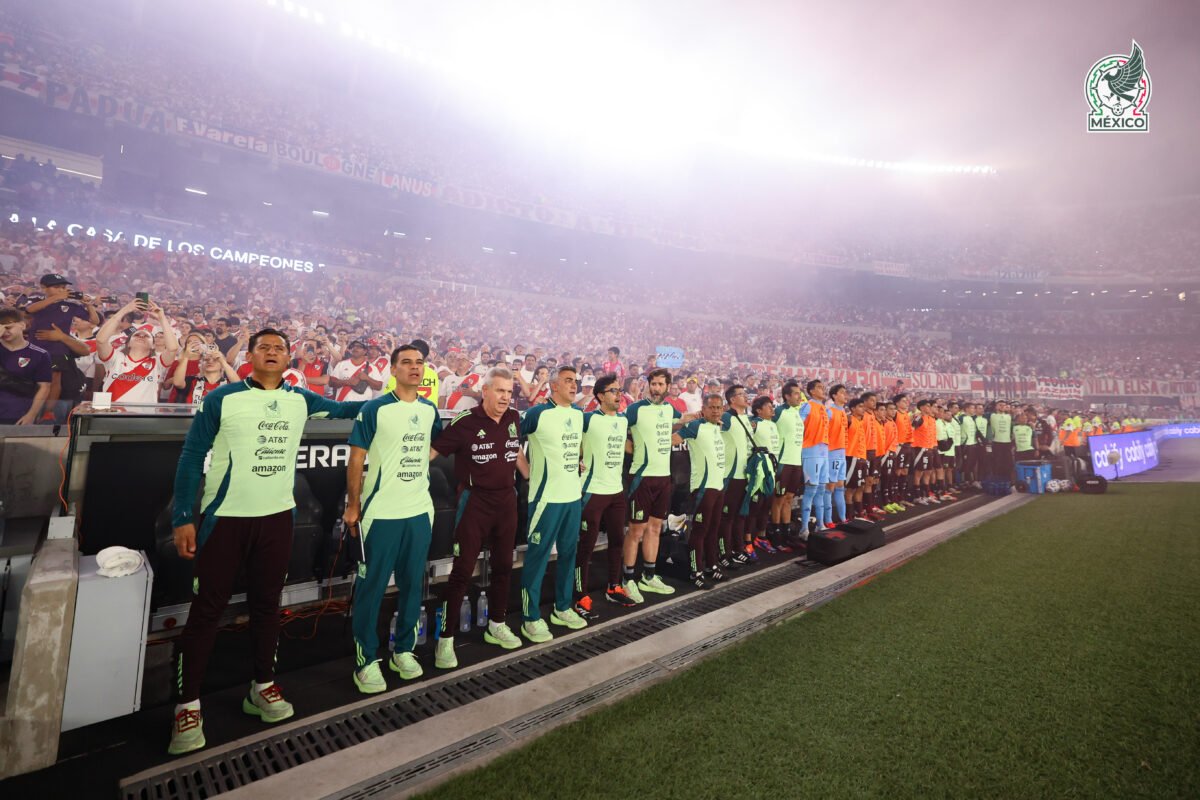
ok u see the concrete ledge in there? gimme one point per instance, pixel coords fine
(428, 752)
(29, 730)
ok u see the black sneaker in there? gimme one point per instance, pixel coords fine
(619, 596)
(741, 559)
(584, 608)
(697, 579)
(715, 575)
(729, 563)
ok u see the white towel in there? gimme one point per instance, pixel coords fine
(117, 562)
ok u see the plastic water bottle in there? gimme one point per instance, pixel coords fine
(481, 610)
(464, 615)
(422, 625)
(437, 623)
(392, 635)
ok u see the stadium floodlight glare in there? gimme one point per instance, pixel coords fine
(200, 192)
(512, 252)
(267, 202)
(77, 172)
(488, 250)
(320, 213)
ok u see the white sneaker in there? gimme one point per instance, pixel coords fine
(569, 618)
(631, 589)
(499, 633)
(655, 584)
(536, 631)
(369, 679)
(443, 655)
(405, 665)
(268, 705)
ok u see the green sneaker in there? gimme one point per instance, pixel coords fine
(187, 734)
(631, 589)
(536, 631)
(268, 704)
(369, 679)
(407, 666)
(443, 655)
(568, 618)
(501, 634)
(654, 584)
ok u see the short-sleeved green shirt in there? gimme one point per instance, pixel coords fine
(603, 452)
(396, 435)
(706, 446)
(791, 435)
(650, 426)
(555, 434)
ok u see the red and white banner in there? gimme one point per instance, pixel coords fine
(1137, 387)
(1058, 389)
(941, 382)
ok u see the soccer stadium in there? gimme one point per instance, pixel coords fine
(565, 399)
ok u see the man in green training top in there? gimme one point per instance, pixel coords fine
(651, 422)
(604, 433)
(999, 432)
(790, 479)
(396, 512)
(554, 431)
(706, 448)
(253, 428)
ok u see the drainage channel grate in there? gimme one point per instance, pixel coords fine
(224, 772)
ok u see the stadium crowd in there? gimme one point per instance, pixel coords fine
(469, 328)
(319, 111)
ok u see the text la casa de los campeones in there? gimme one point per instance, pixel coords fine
(150, 242)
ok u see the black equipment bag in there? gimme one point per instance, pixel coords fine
(835, 545)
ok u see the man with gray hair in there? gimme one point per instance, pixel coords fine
(486, 444)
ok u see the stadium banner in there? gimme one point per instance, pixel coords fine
(893, 269)
(217, 134)
(1058, 389)
(79, 99)
(1138, 387)
(285, 262)
(870, 378)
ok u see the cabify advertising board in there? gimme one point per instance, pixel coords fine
(1136, 451)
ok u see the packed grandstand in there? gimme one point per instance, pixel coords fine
(474, 251)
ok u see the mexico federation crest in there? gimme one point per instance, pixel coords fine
(414, 421)
(1117, 89)
(271, 409)
(512, 429)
